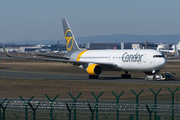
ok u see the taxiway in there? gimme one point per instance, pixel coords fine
(83, 78)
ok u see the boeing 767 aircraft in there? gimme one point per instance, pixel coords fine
(96, 61)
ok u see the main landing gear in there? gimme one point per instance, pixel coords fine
(93, 76)
(126, 75)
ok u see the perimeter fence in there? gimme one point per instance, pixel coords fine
(90, 109)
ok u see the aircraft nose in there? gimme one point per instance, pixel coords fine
(163, 62)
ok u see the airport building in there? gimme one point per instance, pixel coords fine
(58, 48)
(121, 45)
(96, 46)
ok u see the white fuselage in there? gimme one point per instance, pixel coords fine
(126, 60)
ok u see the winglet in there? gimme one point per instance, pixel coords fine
(6, 51)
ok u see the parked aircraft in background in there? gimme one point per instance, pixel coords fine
(96, 61)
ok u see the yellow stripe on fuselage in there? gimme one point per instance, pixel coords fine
(80, 54)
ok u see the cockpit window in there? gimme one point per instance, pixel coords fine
(156, 56)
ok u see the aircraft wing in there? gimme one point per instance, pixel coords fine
(74, 62)
(54, 56)
(103, 64)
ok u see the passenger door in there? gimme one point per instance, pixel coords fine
(144, 58)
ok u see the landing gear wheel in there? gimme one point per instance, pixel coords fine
(123, 76)
(129, 76)
(93, 77)
(90, 76)
(126, 76)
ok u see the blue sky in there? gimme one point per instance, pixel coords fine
(41, 19)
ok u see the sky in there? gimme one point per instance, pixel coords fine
(41, 19)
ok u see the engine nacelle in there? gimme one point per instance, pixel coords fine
(94, 69)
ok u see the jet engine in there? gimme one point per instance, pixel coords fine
(94, 69)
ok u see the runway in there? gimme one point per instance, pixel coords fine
(81, 78)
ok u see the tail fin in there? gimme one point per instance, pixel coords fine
(71, 44)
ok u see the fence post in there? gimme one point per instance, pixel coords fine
(97, 102)
(106, 117)
(16, 116)
(168, 117)
(26, 104)
(69, 110)
(155, 102)
(34, 109)
(137, 104)
(149, 111)
(131, 117)
(1, 104)
(92, 111)
(172, 101)
(4, 108)
(74, 104)
(51, 102)
(117, 103)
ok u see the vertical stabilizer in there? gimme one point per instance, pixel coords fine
(71, 44)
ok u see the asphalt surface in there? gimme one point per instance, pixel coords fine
(69, 77)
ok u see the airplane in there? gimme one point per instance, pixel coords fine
(96, 61)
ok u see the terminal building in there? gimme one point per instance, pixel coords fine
(92, 46)
(121, 46)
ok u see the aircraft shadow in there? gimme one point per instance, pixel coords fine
(118, 78)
